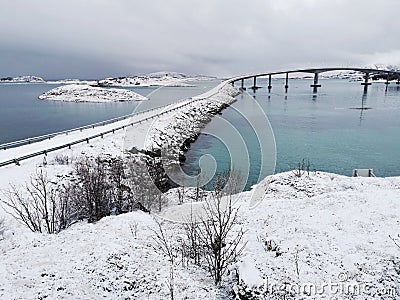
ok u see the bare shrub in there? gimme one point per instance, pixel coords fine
(140, 180)
(120, 192)
(272, 246)
(134, 229)
(227, 183)
(37, 206)
(396, 240)
(2, 229)
(62, 159)
(218, 236)
(164, 245)
(303, 166)
(192, 247)
(93, 187)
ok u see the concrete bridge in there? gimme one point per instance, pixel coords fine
(368, 73)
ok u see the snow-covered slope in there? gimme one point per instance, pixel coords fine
(86, 93)
(321, 230)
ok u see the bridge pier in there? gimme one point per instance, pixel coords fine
(254, 87)
(315, 86)
(287, 82)
(269, 83)
(242, 85)
(366, 79)
(387, 79)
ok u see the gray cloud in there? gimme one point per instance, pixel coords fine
(98, 38)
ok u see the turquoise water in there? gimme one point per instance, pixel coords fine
(322, 127)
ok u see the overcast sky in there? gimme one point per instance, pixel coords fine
(98, 38)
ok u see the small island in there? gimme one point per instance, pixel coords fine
(87, 93)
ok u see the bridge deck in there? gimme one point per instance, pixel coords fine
(316, 70)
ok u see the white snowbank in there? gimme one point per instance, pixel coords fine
(86, 93)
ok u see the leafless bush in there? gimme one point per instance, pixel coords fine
(164, 245)
(192, 247)
(227, 183)
(218, 236)
(303, 166)
(134, 229)
(270, 245)
(62, 159)
(101, 186)
(2, 228)
(396, 240)
(37, 206)
(141, 183)
(93, 188)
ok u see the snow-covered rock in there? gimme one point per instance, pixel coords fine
(86, 93)
(175, 132)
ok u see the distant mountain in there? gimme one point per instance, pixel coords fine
(357, 76)
(22, 79)
(162, 78)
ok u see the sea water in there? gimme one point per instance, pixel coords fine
(23, 115)
(328, 129)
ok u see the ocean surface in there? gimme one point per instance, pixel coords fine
(326, 128)
(23, 115)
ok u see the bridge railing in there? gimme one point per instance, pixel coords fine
(183, 103)
(16, 160)
(97, 124)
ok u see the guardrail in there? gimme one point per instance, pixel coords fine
(68, 145)
(27, 141)
(184, 102)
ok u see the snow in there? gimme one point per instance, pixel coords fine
(86, 93)
(22, 79)
(337, 225)
(325, 228)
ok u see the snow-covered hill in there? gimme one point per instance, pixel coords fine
(86, 93)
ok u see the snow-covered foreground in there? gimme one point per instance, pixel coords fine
(86, 93)
(323, 230)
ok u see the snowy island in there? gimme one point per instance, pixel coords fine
(86, 93)
(22, 79)
(154, 79)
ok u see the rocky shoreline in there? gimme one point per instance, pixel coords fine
(171, 135)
